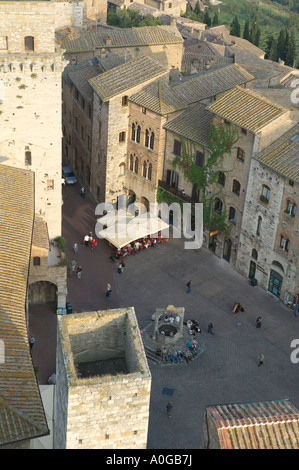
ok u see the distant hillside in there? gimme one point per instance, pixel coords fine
(273, 16)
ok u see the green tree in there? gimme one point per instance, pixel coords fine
(222, 139)
(197, 10)
(273, 51)
(291, 50)
(255, 32)
(207, 19)
(282, 43)
(235, 29)
(268, 46)
(150, 20)
(246, 33)
(215, 21)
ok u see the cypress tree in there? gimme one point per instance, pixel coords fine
(207, 19)
(246, 33)
(282, 44)
(235, 29)
(197, 9)
(291, 50)
(255, 31)
(273, 51)
(215, 21)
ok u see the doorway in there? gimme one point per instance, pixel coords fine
(227, 249)
(252, 269)
(275, 283)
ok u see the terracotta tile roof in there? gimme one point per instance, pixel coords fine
(193, 124)
(84, 41)
(247, 109)
(282, 155)
(112, 60)
(159, 97)
(126, 76)
(80, 78)
(40, 236)
(21, 411)
(264, 425)
(211, 83)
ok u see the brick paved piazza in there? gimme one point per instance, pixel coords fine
(227, 371)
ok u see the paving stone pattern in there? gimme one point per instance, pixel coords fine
(227, 370)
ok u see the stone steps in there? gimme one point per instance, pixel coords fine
(151, 355)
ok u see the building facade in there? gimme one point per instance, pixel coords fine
(30, 111)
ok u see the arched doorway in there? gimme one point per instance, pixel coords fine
(131, 197)
(42, 292)
(227, 249)
(275, 283)
(146, 204)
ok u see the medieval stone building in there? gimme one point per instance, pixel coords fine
(104, 383)
(269, 242)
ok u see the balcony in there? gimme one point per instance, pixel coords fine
(179, 193)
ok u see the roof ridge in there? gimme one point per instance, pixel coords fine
(259, 97)
(21, 415)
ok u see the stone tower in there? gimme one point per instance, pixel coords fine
(31, 65)
(103, 382)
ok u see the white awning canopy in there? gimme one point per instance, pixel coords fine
(125, 228)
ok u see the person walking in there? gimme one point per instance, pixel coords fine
(93, 243)
(258, 322)
(210, 328)
(260, 360)
(75, 248)
(31, 341)
(86, 240)
(82, 192)
(169, 408)
(79, 272)
(108, 292)
(189, 287)
(73, 267)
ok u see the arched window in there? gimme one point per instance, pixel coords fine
(144, 169)
(133, 132)
(221, 178)
(284, 243)
(146, 143)
(152, 140)
(278, 265)
(259, 225)
(236, 187)
(232, 217)
(265, 196)
(29, 43)
(121, 169)
(138, 134)
(254, 254)
(149, 172)
(291, 208)
(136, 165)
(218, 206)
(28, 160)
(131, 163)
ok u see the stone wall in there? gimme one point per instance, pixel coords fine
(274, 223)
(69, 13)
(142, 186)
(109, 120)
(30, 109)
(101, 412)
